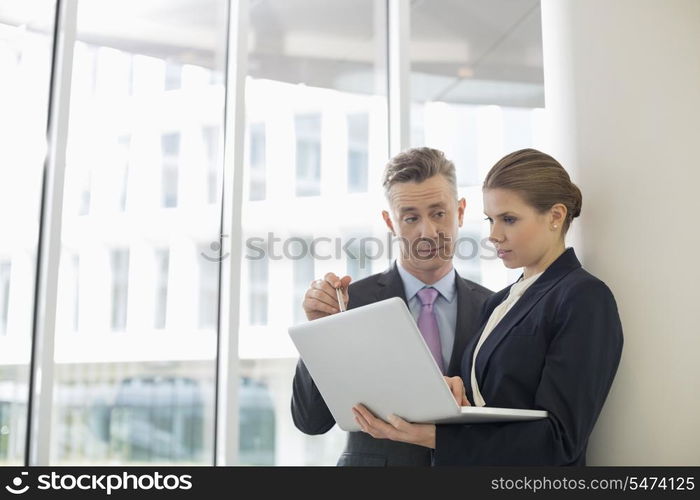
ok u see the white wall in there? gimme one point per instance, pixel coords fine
(622, 87)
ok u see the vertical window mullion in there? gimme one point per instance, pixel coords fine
(227, 421)
(399, 24)
(49, 253)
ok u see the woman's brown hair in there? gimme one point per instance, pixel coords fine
(539, 179)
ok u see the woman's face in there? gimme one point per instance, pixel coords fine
(523, 236)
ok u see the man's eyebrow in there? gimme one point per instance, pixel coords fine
(439, 204)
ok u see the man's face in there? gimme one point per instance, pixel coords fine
(426, 217)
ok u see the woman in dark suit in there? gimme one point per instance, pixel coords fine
(551, 341)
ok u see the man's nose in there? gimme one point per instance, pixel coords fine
(429, 229)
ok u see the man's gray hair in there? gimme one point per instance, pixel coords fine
(417, 165)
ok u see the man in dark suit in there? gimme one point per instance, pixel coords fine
(421, 189)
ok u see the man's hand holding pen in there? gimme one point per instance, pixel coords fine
(326, 296)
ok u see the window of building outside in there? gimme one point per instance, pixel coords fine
(304, 273)
(358, 157)
(259, 280)
(256, 158)
(212, 144)
(5, 269)
(84, 200)
(119, 266)
(359, 263)
(121, 171)
(162, 265)
(74, 277)
(171, 156)
(308, 154)
(208, 289)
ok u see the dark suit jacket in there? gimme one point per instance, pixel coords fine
(557, 349)
(312, 416)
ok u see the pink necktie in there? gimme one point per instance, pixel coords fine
(428, 326)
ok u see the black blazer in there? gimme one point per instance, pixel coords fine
(557, 349)
(312, 416)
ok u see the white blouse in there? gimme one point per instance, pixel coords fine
(516, 291)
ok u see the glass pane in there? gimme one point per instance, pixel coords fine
(162, 263)
(358, 158)
(256, 161)
(170, 154)
(213, 136)
(477, 93)
(317, 142)
(26, 40)
(135, 347)
(307, 129)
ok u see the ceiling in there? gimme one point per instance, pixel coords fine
(467, 51)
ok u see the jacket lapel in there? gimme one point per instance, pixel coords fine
(390, 285)
(566, 263)
(468, 315)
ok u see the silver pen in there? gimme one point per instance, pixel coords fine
(341, 301)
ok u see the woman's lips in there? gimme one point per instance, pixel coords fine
(503, 253)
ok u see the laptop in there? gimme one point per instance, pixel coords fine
(376, 355)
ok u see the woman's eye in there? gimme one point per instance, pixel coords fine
(410, 220)
(489, 219)
(509, 220)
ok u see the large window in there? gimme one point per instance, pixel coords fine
(141, 240)
(317, 136)
(135, 353)
(477, 94)
(26, 34)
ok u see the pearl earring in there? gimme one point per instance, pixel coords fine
(555, 226)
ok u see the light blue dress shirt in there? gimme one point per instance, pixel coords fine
(445, 306)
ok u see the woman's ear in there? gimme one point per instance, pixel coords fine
(557, 216)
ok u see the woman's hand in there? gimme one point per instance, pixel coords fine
(457, 387)
(397, 429)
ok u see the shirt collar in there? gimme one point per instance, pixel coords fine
(523, 284)
(446, 286)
